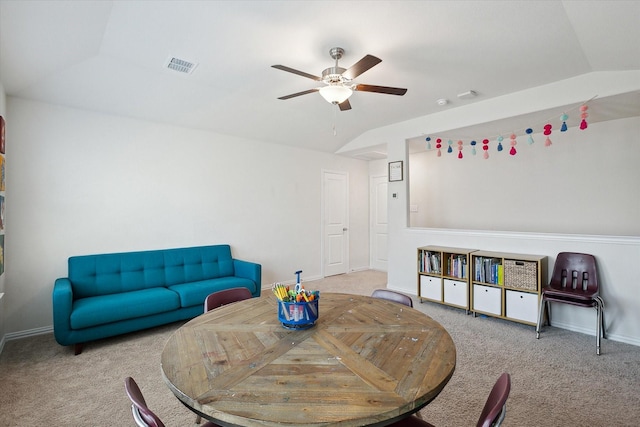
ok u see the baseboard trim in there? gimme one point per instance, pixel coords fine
(363, 268)
(24, 334)
(613, 337)
(29, 333)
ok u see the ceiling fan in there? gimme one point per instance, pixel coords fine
(338, 81)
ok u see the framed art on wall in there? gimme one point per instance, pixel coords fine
(395, 171)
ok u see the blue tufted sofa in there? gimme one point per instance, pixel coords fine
(111, 294)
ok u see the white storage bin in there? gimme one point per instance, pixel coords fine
(487, 299)
(522, 306)
(431, 288)
(456, 293)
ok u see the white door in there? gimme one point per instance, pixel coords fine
(378, 220)
(336, 222)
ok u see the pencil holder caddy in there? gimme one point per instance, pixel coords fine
(298, 315)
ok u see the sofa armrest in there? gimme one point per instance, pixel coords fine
(62, 307)
(249, 270)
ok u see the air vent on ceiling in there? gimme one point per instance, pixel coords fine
(180, 65)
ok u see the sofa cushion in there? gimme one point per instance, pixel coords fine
(99, 310)
(196, 292)
(195, 264)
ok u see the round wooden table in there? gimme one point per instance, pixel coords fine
(366, 361)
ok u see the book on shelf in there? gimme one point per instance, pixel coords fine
(457, 266)
(435, 262)
(429, 262)
(489, 270)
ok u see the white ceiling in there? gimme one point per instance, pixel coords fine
(109, 56)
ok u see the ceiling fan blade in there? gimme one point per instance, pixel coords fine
(300, 73)
(381, 89)
(369, 61)
(293, 95)
(345, 105)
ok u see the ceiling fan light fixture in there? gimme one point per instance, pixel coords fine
(335, 94)
(338, 81)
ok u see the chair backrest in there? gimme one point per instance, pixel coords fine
(392, 296)
(224, 297)
(575, 271)
(142, 415)
(495, 408)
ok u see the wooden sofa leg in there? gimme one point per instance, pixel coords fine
(77, 348)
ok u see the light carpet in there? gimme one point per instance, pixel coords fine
(557, 380)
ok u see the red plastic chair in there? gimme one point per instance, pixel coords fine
(392, 296)
(142, 415)
(492, 414)
(574, 281)
(224, 297)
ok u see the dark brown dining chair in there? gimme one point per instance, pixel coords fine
(392, 296)
(142, 415)
(492, 414)
(224, 297)
(574, 281)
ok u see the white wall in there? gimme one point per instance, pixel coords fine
(586, 182)
(83, 183)
(617, 255)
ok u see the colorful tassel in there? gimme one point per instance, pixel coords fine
(485, 147)
(473, 147)
(459, 149)
(500, 138)
(584, 115)
(513, 144)
(564, 118)
(438, 145)
(529, 132)
(547, 132)
(428, 139)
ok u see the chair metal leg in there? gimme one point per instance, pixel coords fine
(545, 309)
(600, 330)
(500, 419)
(598, 327)
(540, 317)
(604, 330)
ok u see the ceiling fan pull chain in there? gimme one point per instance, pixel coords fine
(335, 118)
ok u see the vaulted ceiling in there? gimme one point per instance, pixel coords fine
(110, 56)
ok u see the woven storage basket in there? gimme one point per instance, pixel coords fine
(521, 274)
